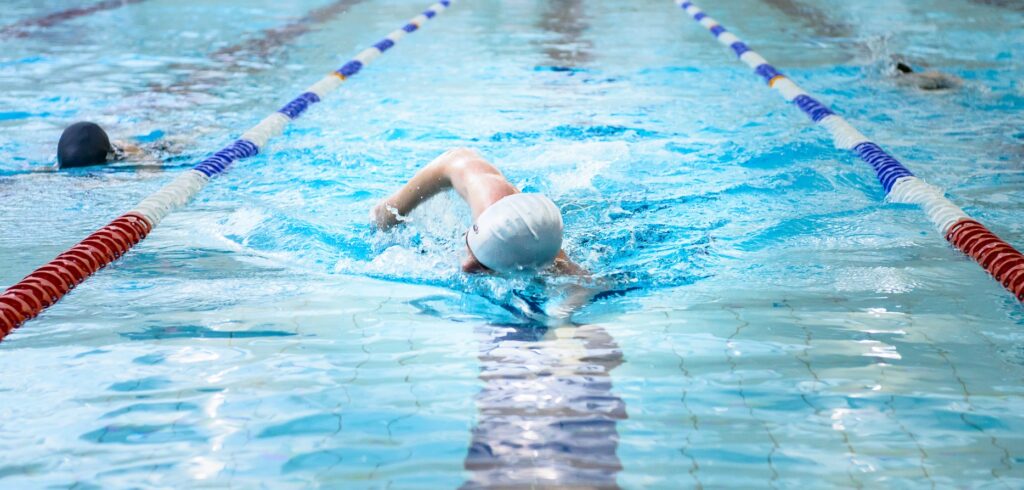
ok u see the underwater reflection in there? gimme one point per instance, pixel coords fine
(565, 19)
(1017, 5)
(255, 54)
(546, 414)
(27, 27)
(818, 20)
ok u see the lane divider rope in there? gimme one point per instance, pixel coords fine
(996, 256)
(49, 283)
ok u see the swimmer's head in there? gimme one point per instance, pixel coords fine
(903, 67)
(520, 232)
(83, 144)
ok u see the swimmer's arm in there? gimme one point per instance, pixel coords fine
(130, 150)
(576, 296)
(564, 266)
(137, 154)
(428, 181)
(478, 182)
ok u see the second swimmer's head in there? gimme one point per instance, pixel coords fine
(83, 144)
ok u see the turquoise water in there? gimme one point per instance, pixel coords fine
(778, 323)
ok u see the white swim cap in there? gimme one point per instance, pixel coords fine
(520, 231)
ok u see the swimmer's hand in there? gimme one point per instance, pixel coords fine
(566, 267)
(385, 216)
(135, 154)
(576, 297)
(129, 150)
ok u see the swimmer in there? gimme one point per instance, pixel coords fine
(511, 231)
(84, 144)
(928, 80)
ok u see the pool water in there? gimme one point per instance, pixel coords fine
(774, 322)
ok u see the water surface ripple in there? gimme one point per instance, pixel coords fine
(777, 323)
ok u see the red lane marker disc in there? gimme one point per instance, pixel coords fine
(989, 255)
(139, 220)
(121, 243)
(60, 285)
(109, 243)
(78, 272)
(979, 242)
(9, 319)
(129, 231)
(61, 273)
(123, 236)
(33, 295)
(19, 305)
(956, 228)
(98, 254)
(1002, 268)
(81, 255)
(966, 230)
(52, 292)
(104, 250)
(970, 238)
(1015, 280)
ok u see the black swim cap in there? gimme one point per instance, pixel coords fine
(82, 144)
(903, 67)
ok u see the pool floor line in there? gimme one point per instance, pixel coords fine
(232, 59)
(51, 282)
(691, 416)
(17, 29)
(804, 357)
(730, 359)
(997, 257)
(273, 37)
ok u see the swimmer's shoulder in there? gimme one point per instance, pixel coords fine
(907, 76)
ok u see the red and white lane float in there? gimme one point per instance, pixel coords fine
(1000, 259)
(49, 283)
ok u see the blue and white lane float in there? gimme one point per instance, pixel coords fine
(996, 256)
(46, 285)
